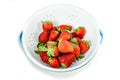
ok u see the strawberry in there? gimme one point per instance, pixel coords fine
(66, 60)
(43, 37)
(64, 36)
(80, 32)
(54, 62)
(64, 28)
(73, 34)
(54, 28)
(78, 39)
(53, 51)
(76, 51)
(47, 25)
(75, 40)
(51, 43)
(65, 46)
(44, 57)
(84, 46)
(53, 35)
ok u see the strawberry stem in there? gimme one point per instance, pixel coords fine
(63, 65)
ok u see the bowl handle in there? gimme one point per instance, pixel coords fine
(101, 35)
(20, 40)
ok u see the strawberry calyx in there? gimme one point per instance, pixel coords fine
(74, 40)
(46, 22)
(58, 28)
(50, 51)
(51, 43)
(78, 28)
(74, 45)
(63, 65)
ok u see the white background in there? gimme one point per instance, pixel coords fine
(15, 66)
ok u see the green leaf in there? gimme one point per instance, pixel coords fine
(67, 29)
(74, 45)
(63, 65)
(78, 28)
(58, 28)
(42, 48)
(75, 59)
(52, 43)
(82, 56)
(74, 40)
(37, 52)
(50, 51)
(46, 22)
(40, 44)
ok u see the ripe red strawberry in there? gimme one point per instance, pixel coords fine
(47, 25)
(54, 28)
(76, 51)
(64, 36)
(53, 51)
(54, 62)
(51, 43)
(80, 32)
(64, 27)
(73, 35)
(84, 46)
(78, 39)
(66, 60)
(44, 57)
(43, 37)
(65, 46)
(53, 35)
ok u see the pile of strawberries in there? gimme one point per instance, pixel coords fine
(59, 46)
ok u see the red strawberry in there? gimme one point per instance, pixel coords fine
(54, 28)
(76, 51)
(73, 35)
(43, 37)
(53, 51)
(44, 57)
(78, 39)
(64, 36)
(80, 32)
(66, 60)
(54, 62)
(84, 46)
(65, 46)
(51, 43)
(47, 25)
(53, 35)
(65, 27)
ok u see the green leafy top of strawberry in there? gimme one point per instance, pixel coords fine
(40, 44)
(74, 45)
(46, 22)
(79, 58)
(58, 28)
(50, 51)
(51, 43)
(41, 48)
(78, 28)
(74, 40)
(63, 65)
